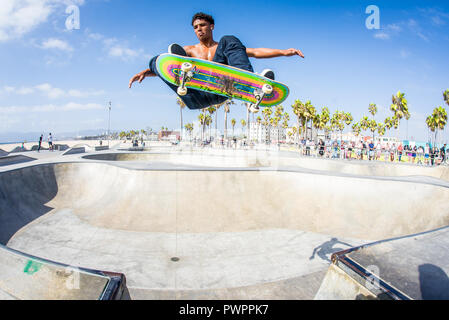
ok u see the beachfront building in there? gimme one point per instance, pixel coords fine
(262, 134)
(171, 136)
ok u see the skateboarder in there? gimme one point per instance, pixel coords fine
(229, 50)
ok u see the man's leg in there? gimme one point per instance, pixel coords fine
(194, 99)
(232, 52)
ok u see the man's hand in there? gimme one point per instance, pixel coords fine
(292, 52)
(140, 76)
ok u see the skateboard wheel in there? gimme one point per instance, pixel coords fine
(186, 67)
(182, 91)
(267, 89)
(253, 109)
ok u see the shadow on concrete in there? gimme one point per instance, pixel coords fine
(6, 161)
(327, 248)
(434, 282)
(23, 195)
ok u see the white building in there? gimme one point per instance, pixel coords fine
(261, 134)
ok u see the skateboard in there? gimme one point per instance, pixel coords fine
(213, 77)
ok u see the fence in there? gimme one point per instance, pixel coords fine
(383, 155)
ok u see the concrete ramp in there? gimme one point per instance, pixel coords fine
(412, 267)
(24, 277)
(9, 160)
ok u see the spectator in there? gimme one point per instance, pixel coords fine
(415, 149)
(359, 150)
(400, 149)
(432, 156)
(50, 142)
(371, 151)
(378, 150)
(392, 150)
(321, 148)
(427, 154)
(420, 155)
(443, 153)
(40, 143)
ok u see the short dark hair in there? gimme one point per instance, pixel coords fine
(203, 16)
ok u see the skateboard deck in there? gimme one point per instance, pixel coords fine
(224, 80)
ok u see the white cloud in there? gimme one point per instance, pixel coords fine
(18, 17)
(404, 53)
(382, 36)
(71, 106)
(25, 91)
(49, 91)
(53, 93)
(124, 52)
(56, 44)
(83, 94)
(115, 49)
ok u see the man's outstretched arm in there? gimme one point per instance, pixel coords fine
(261, 53)
(140, 76)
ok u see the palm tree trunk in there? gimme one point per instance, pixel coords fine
(216, 123)
(247, 124)
(225, 126)
(181, 122)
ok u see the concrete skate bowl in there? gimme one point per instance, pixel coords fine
(184, 158)
(228, 159)
(206, 234)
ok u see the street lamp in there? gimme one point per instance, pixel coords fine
(109, 122)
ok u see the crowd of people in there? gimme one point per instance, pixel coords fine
(375, 151)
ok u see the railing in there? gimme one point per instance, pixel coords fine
(383, 155)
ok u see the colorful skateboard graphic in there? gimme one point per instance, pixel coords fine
(217, 78)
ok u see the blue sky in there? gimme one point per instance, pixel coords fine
(60, 80)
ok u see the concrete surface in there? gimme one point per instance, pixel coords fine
(410, 267)
(244, 225)
(25, 277)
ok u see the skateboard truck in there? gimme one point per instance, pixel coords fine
(260, 94)
(187, 75)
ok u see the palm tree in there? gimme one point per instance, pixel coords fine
(309, 114)
(285, 118)
(372, 125)
(243, 123)
(356, 129)
(211, 111)
(446, 96)
(189, 128)
(202, 121)
(437, 121)
(400, 109)
(297, 107)
(364, 123)
(381, 129)
(227, 109)
(233, 122)
(278, 113)
(324, 120)
(338, 122)
(217, 107)
(259, 122)
(208, 122)
(372, 109)
(247, 105)
(181, 105)
(266, 113)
